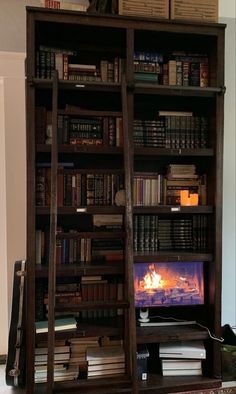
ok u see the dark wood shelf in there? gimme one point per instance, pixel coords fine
(115, 384)
(170, 333)
(160, 209)
(154, 384)
(90, 210)
(175, 209)
(92, 234)
(142, 152)
(83, 149)
(138, 88)
(71, 308)
(96, 327)
(73, 270)
(41, 83)
(165, 385)
(188, 91)
(176, 255)
(89, 113)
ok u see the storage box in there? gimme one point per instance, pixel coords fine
(142, 356)
(148, 8)
(201, 10)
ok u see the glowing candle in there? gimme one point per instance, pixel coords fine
(194, 199)
(184, 198)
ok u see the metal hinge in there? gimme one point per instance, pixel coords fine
(14, 372)
(20, 273)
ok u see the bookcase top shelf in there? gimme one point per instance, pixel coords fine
(74, 270)
(119, 20)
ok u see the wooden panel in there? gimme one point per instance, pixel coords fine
(202, 10)
(150, 8)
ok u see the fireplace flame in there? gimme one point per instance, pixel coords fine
(152, 280)
(169, 284)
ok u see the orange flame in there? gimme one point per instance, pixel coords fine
(152, 280)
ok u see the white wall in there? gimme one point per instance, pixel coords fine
(13, 178)
(12, 155)
(229, 189)
(3, 229)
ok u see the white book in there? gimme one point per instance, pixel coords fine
(182, 372)
(103, 367)
(102, 353)
(104, 373)
(57, 349)
(107, 360)
(180, 364)
(42, 358)
(182, 349)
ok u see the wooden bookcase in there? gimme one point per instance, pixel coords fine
(74, 176)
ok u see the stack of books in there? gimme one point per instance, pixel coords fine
(182, 358)
(78, 349)
(105, 361)
(62, 369)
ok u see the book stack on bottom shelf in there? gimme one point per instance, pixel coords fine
(62, 368)
(182, 358)
(78, 349)
(105, 361)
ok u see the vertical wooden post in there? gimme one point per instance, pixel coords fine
(128, 165)
(53, 231)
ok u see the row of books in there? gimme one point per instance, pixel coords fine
(70, 66)
(71, 248)
(151, 189)
(76, 188)
(186, 132)
(176, 129)
(90, 131)
(176, 69)
(153, 233)
(107, 130)
(181, 69)
(91, 289)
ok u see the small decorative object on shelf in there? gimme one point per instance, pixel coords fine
(187, 198)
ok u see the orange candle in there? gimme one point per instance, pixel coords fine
(184, 197)
(194, 199)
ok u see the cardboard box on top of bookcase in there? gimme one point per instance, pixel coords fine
(198, 10)
(146, 8)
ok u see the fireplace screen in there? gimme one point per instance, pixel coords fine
(167, 284)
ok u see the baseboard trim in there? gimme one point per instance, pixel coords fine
(3, 359)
